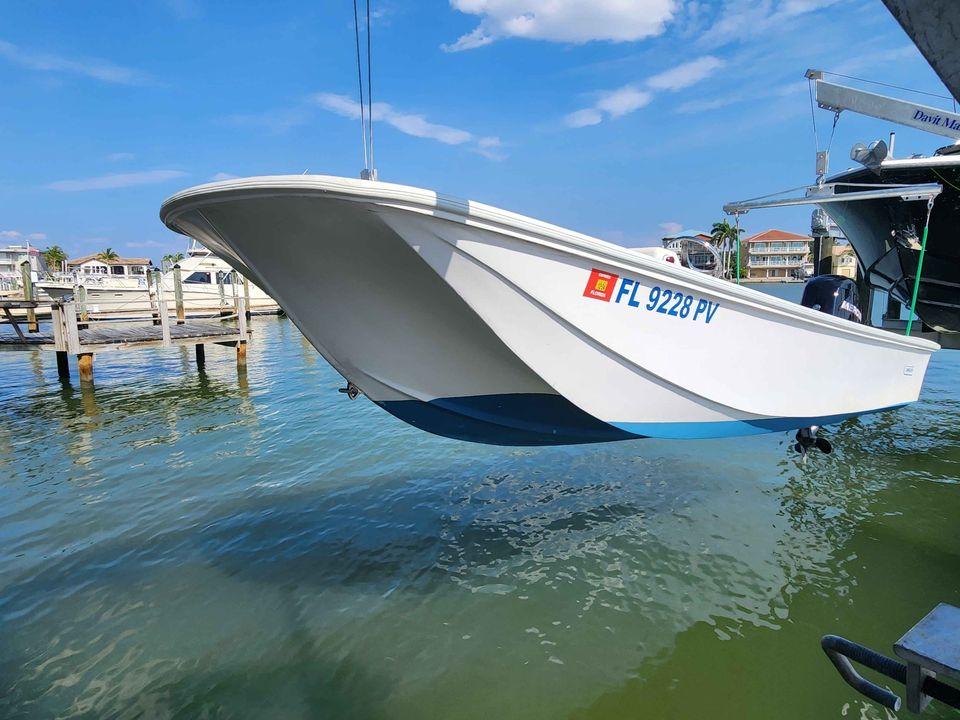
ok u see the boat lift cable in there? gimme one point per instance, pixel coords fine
(833, 130)
(736, 219)
(370, 86)
(813, 116)
(944, 180)
(916, 279)
(363, 124)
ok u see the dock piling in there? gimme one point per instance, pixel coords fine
(223, 294)
(63, 367)
(81, 298)
(241, 308)
(28, 295)
(178, 294)
(57, 319)
(164, 315)
(70, 329)
(201, 356)
(246, 295)
(85, 367)
(153, 289)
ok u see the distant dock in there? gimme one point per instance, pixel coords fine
(75, 333)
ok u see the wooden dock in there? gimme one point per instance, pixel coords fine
(75, 333)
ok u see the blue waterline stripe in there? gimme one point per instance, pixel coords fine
(734, 428)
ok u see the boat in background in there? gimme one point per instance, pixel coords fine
(481, 324)
(876, 206)
(206, 281)
(886, 233)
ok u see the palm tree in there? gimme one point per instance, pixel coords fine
(55, 257)
(168, 261)
(725, 235)
(107, 255)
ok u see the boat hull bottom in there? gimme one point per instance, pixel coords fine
(521, 419)
(532, 419)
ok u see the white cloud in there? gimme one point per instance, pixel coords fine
(411, 124)
(629, 98)
(222, 176)
(584, 118)
(117, 180)
(671, 228)
(275, 121)
(490, 147)
(144, 244)
(576, 21)
(612, 104)
(88, 67)
(17, 235)
(740, 19)
(120, 156)
(623, 101)
(184, 9)
(699, 106)
(685, 75)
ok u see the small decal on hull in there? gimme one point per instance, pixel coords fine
(600, 285)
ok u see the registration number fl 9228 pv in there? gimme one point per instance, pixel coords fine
(665, 301)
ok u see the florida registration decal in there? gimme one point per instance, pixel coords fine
(600, 285)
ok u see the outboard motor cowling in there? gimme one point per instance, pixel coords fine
(833, 294)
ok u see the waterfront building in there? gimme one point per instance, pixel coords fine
(776, 255)
(12, 255)
(119, 266)
(844, 261)
(696, 259)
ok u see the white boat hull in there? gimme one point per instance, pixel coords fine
(476, 323)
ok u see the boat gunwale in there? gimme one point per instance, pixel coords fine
(472, 212)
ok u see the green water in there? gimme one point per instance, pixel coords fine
(224, 545)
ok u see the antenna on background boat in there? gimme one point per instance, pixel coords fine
(369, 171)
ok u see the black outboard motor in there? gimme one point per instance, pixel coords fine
(838, 296)
(833, 294)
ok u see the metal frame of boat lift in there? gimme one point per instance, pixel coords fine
(930, 647)
(822, 194)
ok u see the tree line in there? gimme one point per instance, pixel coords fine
(56, 257)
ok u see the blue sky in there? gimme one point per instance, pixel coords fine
(619, 118)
